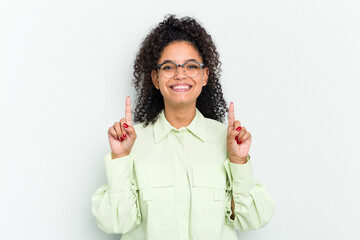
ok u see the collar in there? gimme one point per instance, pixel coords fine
(162, 127)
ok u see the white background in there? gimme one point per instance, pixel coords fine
(292, 69)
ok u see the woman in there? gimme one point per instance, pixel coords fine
(180, 173)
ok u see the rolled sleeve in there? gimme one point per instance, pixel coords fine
(115, 205)
(118, 172)
(241, 176)
(253, 206)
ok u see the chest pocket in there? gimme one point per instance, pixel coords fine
(211, 176)
(208, 196)
(154, 175)
(157, 199)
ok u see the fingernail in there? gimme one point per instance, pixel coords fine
(124, 135)
(121, 139)
(236, 138)
(238, 129)
(125, 125)
(240, 142)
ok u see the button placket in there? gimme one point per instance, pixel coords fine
(181, 135)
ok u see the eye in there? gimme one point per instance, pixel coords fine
(168, 67)
(192, 66)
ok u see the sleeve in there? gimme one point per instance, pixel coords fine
(253, 204)
(115, 205)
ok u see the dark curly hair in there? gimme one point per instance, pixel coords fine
(150, 102)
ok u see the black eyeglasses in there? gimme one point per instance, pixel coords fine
(170, 69)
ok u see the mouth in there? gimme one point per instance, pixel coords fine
(181, 88)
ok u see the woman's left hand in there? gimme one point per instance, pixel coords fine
(238, 139)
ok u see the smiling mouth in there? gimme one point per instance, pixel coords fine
(181, 88)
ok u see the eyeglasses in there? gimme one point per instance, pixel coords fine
(170, 69)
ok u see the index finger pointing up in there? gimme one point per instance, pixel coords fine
(128, 111)
(231, 114)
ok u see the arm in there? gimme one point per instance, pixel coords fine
(115, 205)
(249, 205)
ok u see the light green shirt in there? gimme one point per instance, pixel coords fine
(177, 184)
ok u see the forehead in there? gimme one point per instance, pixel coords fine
(179, 52)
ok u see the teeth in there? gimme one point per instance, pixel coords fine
(181, 87)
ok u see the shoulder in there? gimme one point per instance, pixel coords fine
(144, 139)
(215, 124)
(215, 127)
(140, 128)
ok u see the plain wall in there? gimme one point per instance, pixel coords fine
(292, 68)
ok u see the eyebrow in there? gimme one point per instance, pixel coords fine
(166, 61)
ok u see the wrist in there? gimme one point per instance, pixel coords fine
(114, 156)
(238, 160)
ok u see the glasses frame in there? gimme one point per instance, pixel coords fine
(181, 65)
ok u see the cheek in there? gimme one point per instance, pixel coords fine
(200, 81)
(161, 82)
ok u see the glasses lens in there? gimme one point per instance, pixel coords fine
(192, 69)
(168, 69)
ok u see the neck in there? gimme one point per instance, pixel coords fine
(180, 116)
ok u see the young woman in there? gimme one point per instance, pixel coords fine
(180, 173)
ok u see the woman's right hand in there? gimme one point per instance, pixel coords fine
(122, 134)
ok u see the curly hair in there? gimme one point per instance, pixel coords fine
(150, 102)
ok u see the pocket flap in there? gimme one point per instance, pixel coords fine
(153, 174)
(211, 175)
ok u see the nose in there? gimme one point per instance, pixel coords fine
(180, 74)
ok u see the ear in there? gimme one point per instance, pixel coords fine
(206, 76)
(154, 78)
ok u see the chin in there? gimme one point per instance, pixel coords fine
(181, 102)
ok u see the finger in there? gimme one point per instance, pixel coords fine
(112, 132)
(241, 134)
(246, 136)
(118, 130)
(237, 128)
(123, 132)
(237, 134)
(130, 132)
(237, 125)
(231, 115)
(232, 135)
(128, 111)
